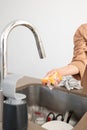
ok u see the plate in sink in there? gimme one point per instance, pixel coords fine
(57, 125)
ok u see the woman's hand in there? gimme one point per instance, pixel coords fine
(52, 72)
(52, 78)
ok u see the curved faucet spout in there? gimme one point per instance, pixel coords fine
(4, 37)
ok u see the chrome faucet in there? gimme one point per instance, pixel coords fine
(4, 36)
(3, 52)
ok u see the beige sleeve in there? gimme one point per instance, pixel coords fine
(80, 50)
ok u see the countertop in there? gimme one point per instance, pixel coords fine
(32, 126)
(25, 81)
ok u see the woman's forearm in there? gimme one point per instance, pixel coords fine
(68, 70)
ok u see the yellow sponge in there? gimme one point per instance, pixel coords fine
(51, 79)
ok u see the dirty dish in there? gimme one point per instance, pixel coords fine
(57, 125)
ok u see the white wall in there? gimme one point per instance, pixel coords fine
(56, 21)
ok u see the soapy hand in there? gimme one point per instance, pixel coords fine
(52, 79)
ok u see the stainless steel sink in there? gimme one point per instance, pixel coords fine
(55, 100)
